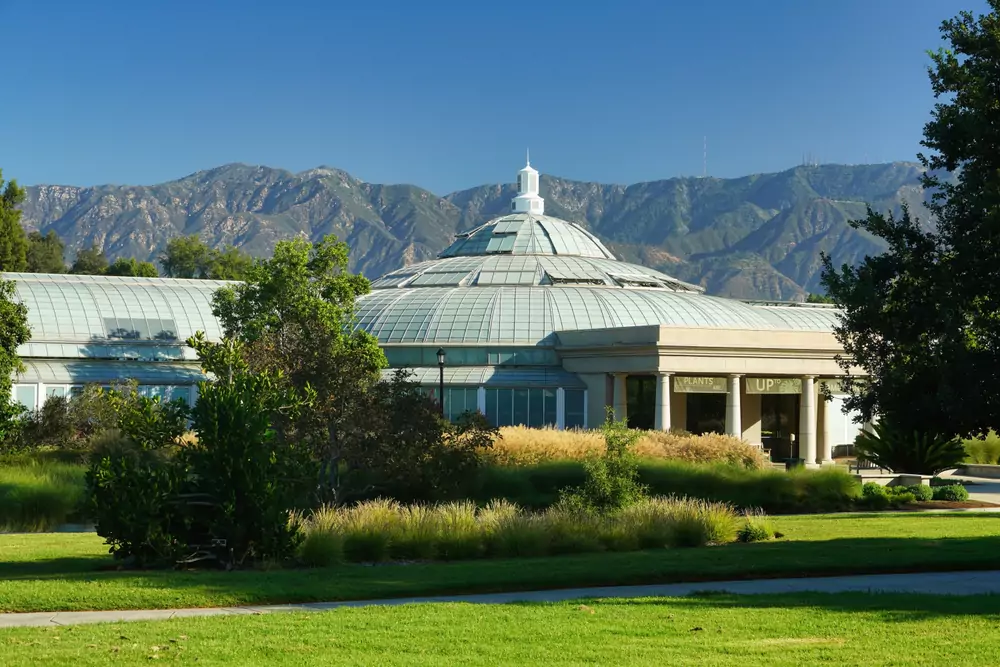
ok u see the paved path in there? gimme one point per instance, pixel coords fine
(940, 583)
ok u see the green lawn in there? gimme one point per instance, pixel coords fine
(717, 630)
(49, 572)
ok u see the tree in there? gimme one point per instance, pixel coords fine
(90, 262)
(819, 298)
(190, 257)
(132, 267)
(13, 241)
(45, 253)
(186, 257)
(14, 332)
(230, 263)
(294, 314)
(921, 320)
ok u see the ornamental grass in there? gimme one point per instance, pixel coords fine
(520, 446)
(386, 531)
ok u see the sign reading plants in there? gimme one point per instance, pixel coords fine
(699, 385)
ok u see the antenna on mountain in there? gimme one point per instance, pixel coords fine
(704, 157)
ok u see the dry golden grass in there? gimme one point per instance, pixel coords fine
(520, 445)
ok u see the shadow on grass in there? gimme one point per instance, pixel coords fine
(887, 607)
(57, 580)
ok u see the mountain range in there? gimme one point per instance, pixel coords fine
(755, 237)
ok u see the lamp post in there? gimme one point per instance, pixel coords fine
(440, 354)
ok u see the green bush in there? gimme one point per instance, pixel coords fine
(756, 527)
(775, 491)
(921, 492)
(611, 479)
(128, 489)
(39, 495)
(985, 450)
(251, 478)
(382, 530)
(952, 493)
(900, 450)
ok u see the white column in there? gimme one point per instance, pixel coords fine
(807, 421)
(560, 408)
(734, 426)
(193, 394)
(827, 454)
(621, 402)
(481, 400)
(662, 402)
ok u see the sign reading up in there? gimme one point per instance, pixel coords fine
(774, 386)
(699, 385)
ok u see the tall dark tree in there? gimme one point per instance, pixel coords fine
(13, 240)
(14, 332)
(922, 320)
(90, 262)
(46, 253)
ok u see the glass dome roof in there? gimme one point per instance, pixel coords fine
(521, 278)
(533, 315)
(528, 234)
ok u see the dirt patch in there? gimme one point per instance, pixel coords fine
(946, 505)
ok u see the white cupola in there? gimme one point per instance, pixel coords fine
(527, 199)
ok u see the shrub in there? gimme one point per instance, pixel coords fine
(921, 492)
(522, 446)
(612, 479)
(775, 491)
(985, 450)
(951, 493)
(128, 489)
(756, 527)
(250, 477)
(875, 496)
(696, 523)
(900, 450)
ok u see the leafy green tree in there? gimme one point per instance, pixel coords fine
(90, 262)
(230, 263)
(190, 257)
(186, 257)
(132, 267)
(46, 253)
(921, 320)
(819, 298)
(13, 241)
(14, 332)
(294, 313)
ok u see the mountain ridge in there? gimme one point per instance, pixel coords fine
(756, 236)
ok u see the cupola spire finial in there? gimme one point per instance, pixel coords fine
(527, 156)
(528, 199)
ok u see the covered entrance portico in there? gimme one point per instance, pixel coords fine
(762, 387)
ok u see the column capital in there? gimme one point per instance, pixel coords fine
(736, 376)
(809, 377)
(664, 374)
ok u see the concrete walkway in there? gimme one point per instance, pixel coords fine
(939, 583)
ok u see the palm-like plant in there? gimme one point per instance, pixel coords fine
(889, 445)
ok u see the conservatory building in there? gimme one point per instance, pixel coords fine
(528, 318)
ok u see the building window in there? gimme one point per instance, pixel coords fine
(25, 395)
(575, 408)
(533, 407)
(519, 183)
(459, 400)
(513, 206)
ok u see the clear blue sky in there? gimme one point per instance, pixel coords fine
(447, 94)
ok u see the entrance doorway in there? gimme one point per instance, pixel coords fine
(706, 413)
(779, 425)
(640, 392)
